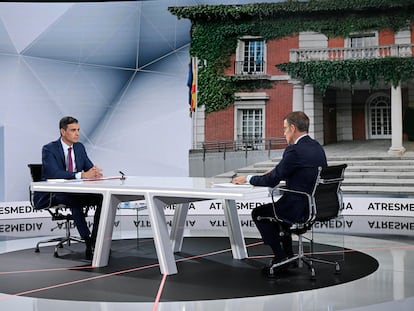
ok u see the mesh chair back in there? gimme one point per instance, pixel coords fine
(35, 171)
(328, 196)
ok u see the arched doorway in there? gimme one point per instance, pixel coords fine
(379, 116)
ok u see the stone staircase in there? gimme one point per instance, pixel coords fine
(364, 175)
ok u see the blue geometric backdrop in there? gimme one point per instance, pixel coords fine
(119, 67)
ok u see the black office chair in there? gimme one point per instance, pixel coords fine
(57, 212)
(325, 203)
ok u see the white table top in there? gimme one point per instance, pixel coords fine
(196, 187)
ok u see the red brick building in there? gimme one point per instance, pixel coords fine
(344, 112)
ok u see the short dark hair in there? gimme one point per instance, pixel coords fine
(298, 119)
(65, 121)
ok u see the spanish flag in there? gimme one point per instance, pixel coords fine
(192, 85)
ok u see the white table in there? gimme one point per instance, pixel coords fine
(157, 192)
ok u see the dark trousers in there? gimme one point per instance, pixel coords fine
(270, 231)
(77, 203)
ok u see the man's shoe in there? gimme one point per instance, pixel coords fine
(89, 254)
(89, 249)
(293, 264)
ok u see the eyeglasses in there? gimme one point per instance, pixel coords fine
(285, 128)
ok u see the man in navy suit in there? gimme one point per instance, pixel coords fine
(66, 158)
(298, 168)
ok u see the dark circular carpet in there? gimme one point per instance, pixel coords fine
(205, 272)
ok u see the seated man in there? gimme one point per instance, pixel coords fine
(66, 158)
(298, 168)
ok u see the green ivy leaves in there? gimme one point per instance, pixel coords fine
(216, 92)
(390, 70)
(289, 7)
(216, 29)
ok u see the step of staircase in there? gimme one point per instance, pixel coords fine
(364, 175)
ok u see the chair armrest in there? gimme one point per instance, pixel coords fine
(306, 195)
(283, 189)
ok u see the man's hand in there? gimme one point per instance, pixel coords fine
(94, 172)
(239, 180)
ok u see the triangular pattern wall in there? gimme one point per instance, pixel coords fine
(119, 67)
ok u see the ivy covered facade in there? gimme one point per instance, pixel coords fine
(348, 65)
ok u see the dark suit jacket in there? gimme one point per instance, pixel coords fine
(54, 167)
(298, 168)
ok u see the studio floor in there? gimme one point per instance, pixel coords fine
(377, 273)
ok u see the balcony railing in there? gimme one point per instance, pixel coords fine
(397, 50)
(254, 68)
(244, 144)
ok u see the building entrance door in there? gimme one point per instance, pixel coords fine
(379, 116)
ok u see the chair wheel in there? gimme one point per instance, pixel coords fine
(37, 250)
(337, 269)
(313, 274)
(56, 254)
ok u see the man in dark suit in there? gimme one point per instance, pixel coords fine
(66, 158)
(298, 168)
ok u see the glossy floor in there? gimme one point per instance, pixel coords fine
(390, 287)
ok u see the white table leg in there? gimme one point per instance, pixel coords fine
(105, 228)
(177, 229)
(238, 246)
(161, 238)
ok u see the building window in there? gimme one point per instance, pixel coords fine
(363, 45)
(252, 124)
(249, 115)
(250, 58)
(363, 41)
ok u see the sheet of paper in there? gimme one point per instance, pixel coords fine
(103, 178)
(231, 185)
(61, 180)
(58, 180)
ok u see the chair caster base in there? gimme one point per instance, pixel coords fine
(313, 274)
(337, 269)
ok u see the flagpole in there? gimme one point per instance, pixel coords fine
(194, 64)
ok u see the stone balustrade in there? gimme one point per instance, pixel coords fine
(336, 54)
